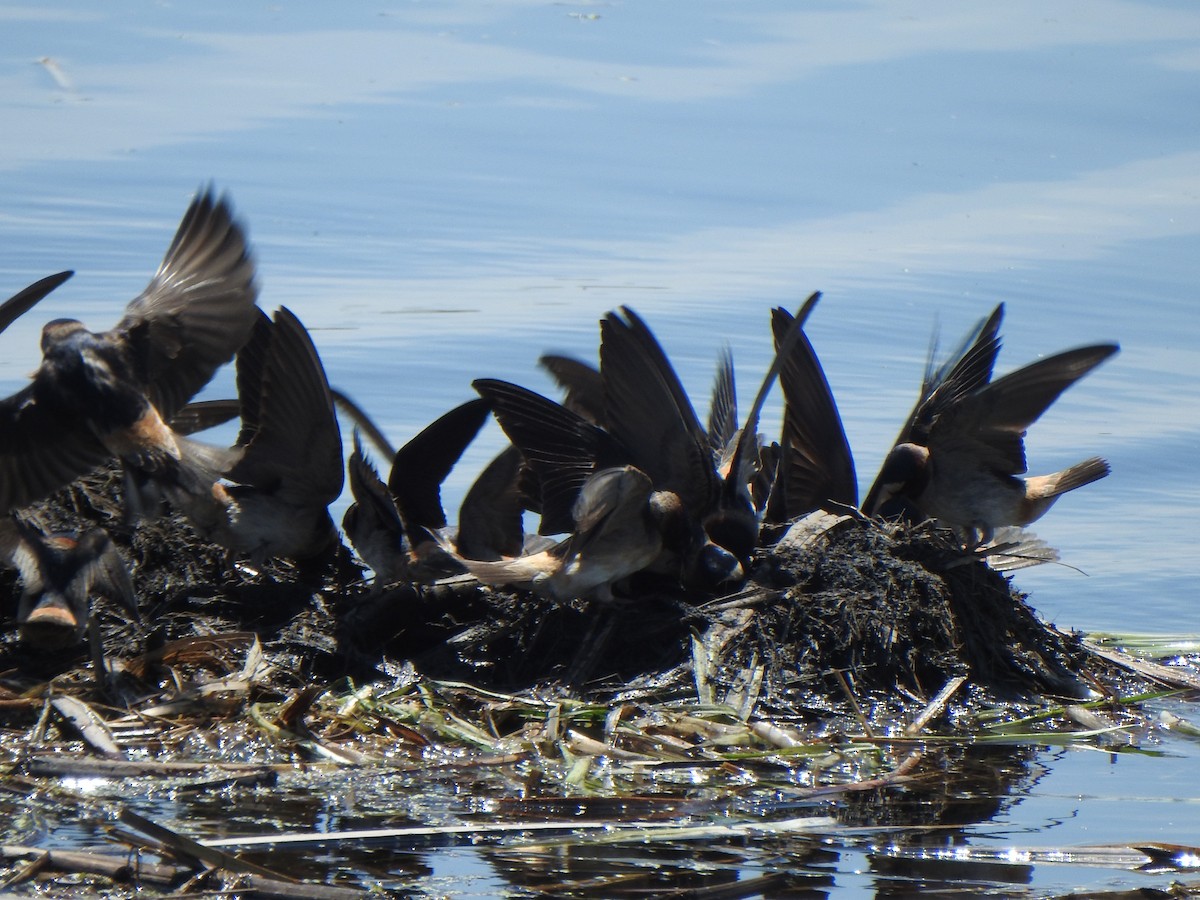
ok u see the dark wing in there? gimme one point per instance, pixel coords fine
(746, 454)
(561, 447)
(580, 382)
(490, 520)
(198, 309)
(421, 465)
(734, 524)
(362, 421)
(964, 371)
(105, 570)
(24, 300)
(649, 414)
(41, 450)
(989, 426)
(297, 449)
(251, 368)
(817, 465)
(200, 415)
(722, 407)
(373, 508)
(368, 488)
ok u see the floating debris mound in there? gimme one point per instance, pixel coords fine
(849, 608)
(905, 609)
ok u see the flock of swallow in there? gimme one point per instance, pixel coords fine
(625, 478)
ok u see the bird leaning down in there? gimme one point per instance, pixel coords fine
(274, 501)
(59, 574)
(392, 526)
(651, 490)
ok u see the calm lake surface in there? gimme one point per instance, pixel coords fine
(445, 191)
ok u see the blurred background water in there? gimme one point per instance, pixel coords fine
(445, 191)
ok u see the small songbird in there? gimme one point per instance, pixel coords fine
(963, 465)
(617, 522)
(274, 500)
(967, 369)
(736, 522)
(392, 525)
(372, 522)
(60, 574)
(619, 525)
(103, 394)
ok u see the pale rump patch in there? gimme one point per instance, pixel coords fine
(51, 617)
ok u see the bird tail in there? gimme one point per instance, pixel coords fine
(200, 464)
(1076, 476)
(511, 570)
(153, 478)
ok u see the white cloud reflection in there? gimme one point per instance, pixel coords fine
(194, 85)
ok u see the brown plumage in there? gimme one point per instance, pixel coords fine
(60, 574)
(96, 395)
(289, 469)
(967, 470)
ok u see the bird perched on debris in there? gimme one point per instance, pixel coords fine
(289, 453)
(648, 412)
(392, 525)
(59, 574)
(103, 394)
(619, 526)
(962, 463)
(965, 370)
(617, 522)
(372, 522)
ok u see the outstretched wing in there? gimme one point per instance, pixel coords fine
(198, 309)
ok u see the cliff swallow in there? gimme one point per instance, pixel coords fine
(965, 370)
(60, 574)
(815, 468)
(617, 523)
(97, 395)
(392, 526)
(274, 500)
(964, 468)
(648, 413)
(638, 398)
(372, 522)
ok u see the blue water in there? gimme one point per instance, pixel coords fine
(443, 192)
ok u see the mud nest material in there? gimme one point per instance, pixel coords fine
(852, 606)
